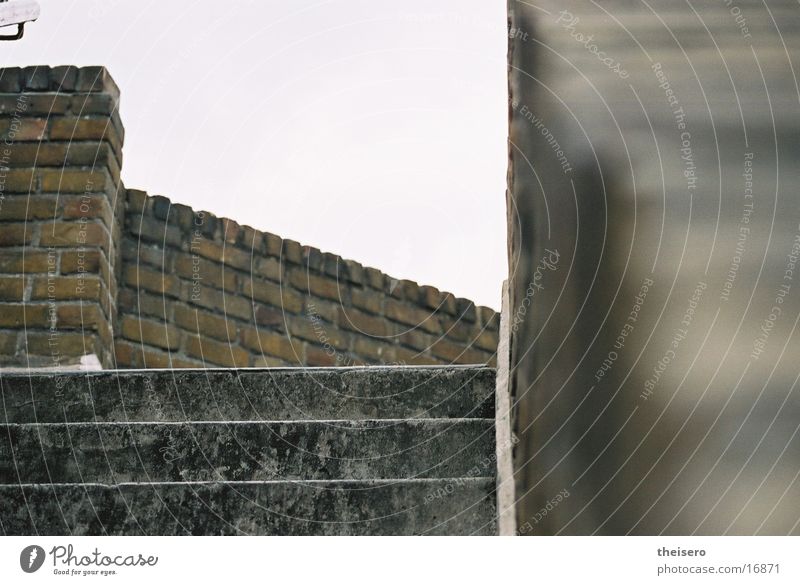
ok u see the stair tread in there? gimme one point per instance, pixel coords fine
(266, 508)
(119, 452)
(246, 394)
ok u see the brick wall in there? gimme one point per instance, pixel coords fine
(167, 286)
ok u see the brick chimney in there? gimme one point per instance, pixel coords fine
(60, 209)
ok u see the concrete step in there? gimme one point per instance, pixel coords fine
(113, 453)
(249, 394)
(436, 506)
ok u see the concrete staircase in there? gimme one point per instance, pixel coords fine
(256, 451)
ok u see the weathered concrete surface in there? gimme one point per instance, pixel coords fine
(121, 452)
(249, 394)
(276, 451)
(265, 508)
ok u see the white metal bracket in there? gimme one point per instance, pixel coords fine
(17, 12)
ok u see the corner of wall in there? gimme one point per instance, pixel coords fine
(60, 158)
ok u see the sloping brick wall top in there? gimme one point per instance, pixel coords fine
(198, 289)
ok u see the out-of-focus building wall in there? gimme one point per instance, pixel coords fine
(655, 285)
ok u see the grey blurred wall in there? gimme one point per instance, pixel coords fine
(654, 235)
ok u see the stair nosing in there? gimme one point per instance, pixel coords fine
(460, 479)
(24, 373)
(240, 422)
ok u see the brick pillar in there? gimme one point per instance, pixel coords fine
(60, 158)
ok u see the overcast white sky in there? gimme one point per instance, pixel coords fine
(374, 130)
